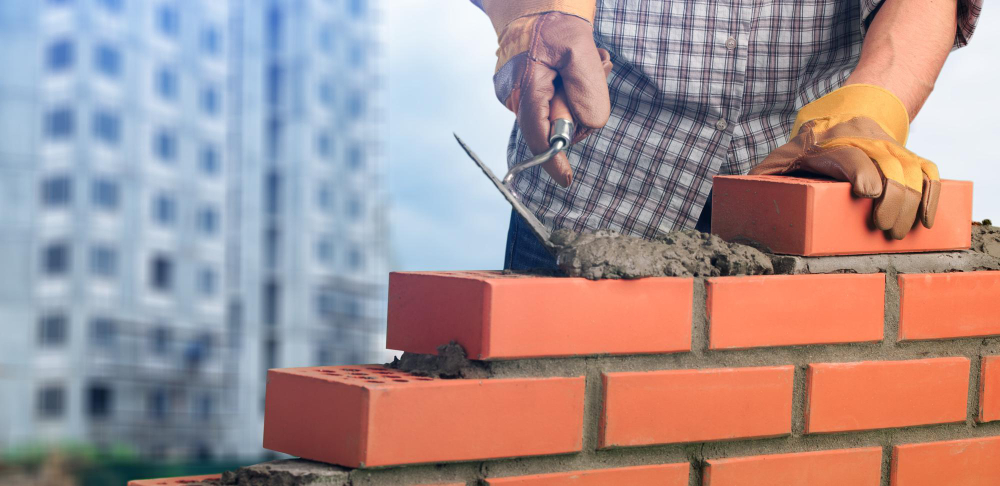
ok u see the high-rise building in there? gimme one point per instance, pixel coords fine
(190, 192)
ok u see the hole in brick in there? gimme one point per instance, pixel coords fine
(376, 381)
(424, 378)
(401, 381)
(351, 369)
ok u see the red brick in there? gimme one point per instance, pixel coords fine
(661, 407)
(854, 467)
(376, 416)
(989, 389)
(659, 475)
(508, 316)
(949, 305)
(881, 394)
(968, 462)
(206, 480)
(814, 217)
(783, 310)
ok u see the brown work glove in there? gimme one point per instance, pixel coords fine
(549, 67)
(857, 134)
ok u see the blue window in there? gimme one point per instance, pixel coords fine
(207, 282)
(356, 105)
(53, 330)
(56, 259)
(208, 160)
(107, 127)
(324, 197)
(103, 261)
(104, 194)
(161, 273)
(158, 404)
(168, 20)
(357, 54)
(161, 340)
(358, 7)
(211, 40)
(59, 124)
(355, 259)
(326, 304)
(208, 221)
(51, 402)
(167, 85)
(164, 210)
(59, 55)
(274, 79)
(165, 145)
(326, 93)
(274, 21)
(204, 407)
(57, 191)
(108, 60)
(323, 145)
(354, 208)
(103, 332)
(326, 38)
(355, 157)
(114, 6)
(324, 250)
(210, 100)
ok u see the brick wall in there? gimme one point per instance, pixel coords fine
(882, 374)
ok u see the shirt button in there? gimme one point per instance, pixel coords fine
(721, 124)
(731, 43)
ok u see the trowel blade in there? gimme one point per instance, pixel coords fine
(541, 232)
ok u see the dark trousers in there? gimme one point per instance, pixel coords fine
(525, 252)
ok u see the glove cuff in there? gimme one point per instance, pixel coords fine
(853, 100)
(503, 12)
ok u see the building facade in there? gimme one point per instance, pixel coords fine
(162, 230)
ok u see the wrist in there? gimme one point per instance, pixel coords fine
(857, 99)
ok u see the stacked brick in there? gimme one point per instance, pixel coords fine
(829, 379)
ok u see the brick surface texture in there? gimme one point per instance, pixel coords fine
(967, 462)
(949, 305)
(855, 467)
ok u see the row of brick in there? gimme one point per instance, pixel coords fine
(966, 462)
(375, 416)
(497, 316)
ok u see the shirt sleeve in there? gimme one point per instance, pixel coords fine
(968, 16)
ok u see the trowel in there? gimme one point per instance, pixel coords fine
(560, 138)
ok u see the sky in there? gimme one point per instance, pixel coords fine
(445, 215)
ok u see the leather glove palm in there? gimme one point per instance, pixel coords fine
(857, 134)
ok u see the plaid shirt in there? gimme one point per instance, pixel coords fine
(699, 88)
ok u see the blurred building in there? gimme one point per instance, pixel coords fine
(189, 193)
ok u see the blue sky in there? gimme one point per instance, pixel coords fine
(446, 216)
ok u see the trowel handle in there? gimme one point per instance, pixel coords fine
(561, 118)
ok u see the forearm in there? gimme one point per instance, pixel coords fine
(905, 48)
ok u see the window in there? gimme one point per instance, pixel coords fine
(207, 282)
(210, 100)
(204, 407)
(161, 340)
(274, 78)
(52, 330)
(324, 197)
(323, 355)
(207, 221)
(164, 209)
(167, 85)
(323, 145)
(99, 400)
(274, 21)
(272, 192)
(51, 402)
(211, 40)
(356, 105)
(165, 145)
(326, 93)
(326, 304)
(324, 250)
(157, 404)
(103, 332)
(55, 259)
(57, 191)
(358, 8)
(271, 242)
(161, 273)
(208, 160)
(108, 60)
(113, 6)
(274, 127)
(107, 127)
(103, 262)
(326, 38)
(355, 157)
(272, 293)
(104, 194)
(168, 20)
(356, 259)
(356, 56)
(59, 124)
(59, 55)
(354, 208)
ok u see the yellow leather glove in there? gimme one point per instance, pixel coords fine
(857, 134)
(549, 67)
